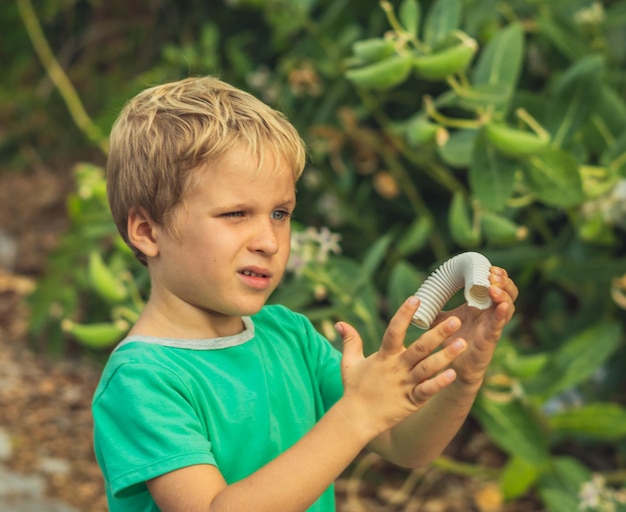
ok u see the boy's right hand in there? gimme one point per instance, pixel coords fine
(393, 383)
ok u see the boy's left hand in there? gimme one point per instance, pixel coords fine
(482, 328)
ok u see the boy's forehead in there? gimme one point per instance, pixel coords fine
(246, 162)
(236, 180)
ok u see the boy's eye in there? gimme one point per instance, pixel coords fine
(280, 215)
(233, 214)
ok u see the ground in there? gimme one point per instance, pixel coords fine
(46, 451)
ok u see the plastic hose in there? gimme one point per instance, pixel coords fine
(469, 270)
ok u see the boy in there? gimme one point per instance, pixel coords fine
(215, 401)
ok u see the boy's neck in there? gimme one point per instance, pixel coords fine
(184, 323)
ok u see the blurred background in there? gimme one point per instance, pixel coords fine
(434, 127)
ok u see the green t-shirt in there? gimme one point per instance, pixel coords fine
(235, 402)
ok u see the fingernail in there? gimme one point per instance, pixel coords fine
(450, 374)
(459, 344)
(339, 328)
(412, 300)
(454, 323)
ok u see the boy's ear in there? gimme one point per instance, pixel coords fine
(142, 232)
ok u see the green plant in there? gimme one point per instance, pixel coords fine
(94, 288)
(531, 161)
(433, 128)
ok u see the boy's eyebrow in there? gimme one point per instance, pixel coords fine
(244, 206)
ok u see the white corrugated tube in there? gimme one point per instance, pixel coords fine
(469, 270)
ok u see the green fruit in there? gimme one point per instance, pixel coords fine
(374, 49)
(500, 230)
(97, 335)
(421, 131)
(383, 74)
(460, 223)
(524, 367)
(442, 64)
(103, 281)
(514, 142)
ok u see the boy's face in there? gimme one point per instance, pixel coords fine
(233, 241)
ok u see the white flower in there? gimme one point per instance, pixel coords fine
(593, 15)
(312, 246)
(595, 496)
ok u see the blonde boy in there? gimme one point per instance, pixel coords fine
(215, 401)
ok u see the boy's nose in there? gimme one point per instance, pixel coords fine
(265, 239)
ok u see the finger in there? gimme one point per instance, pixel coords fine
(500, 278)
(436, 362)
(430, 340)
(502, 314)
(393, 339)
(352, 346)
(424, 391)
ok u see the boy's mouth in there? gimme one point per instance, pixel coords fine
(256, 277)
(251, 273)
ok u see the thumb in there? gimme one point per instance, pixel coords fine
(352, 345)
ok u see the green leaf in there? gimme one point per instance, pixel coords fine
(500, 64)
(409, 15)
(491, 175)
(375, 255)
(457, 151)
(404, 281)
(292, 293)
(576, 360)
(557, 500)
(512, 427)
(518, 476)
(563, 38)
(615, 155)
(601, 421)
(606, 122)
(443, 17)
(415, 237)
(573, 99)
(560, 484)
(554, 178)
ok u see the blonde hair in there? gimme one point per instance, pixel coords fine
(167, 131)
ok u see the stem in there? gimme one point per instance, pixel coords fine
(58, 76)
(124, 313)
(450, 122)
(351, 301)
(532, 123)
(436, 172)
(603, 129)
(415, 198)
(402, 34)
(391, 16)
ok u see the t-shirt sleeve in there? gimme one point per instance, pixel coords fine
(145, 426)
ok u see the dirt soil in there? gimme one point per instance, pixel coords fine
(45, 402)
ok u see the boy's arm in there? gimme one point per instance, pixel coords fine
(422, 437)
(379, 392)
